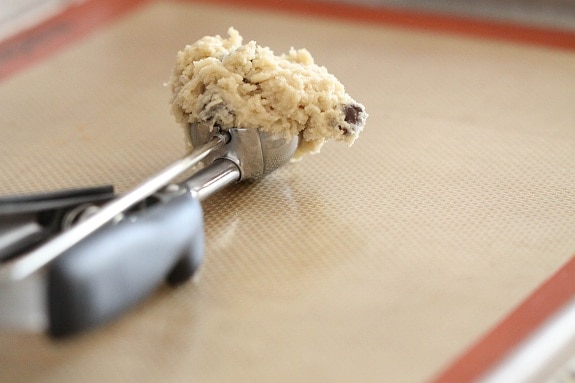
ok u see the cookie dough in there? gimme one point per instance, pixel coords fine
(222, 82)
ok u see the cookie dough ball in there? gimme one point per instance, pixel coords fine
(222, 82)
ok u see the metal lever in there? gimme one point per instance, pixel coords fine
(27, 220)
(31, 262)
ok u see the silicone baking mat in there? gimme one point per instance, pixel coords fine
(386, 261)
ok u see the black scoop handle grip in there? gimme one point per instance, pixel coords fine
(117, 266)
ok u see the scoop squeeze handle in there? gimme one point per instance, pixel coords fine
(117, 266)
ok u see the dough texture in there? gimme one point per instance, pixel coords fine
(222, 82)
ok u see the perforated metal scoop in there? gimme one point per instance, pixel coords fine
(94, 273)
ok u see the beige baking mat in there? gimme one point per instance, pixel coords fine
(376, 263)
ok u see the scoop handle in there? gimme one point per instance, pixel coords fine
(116, 267)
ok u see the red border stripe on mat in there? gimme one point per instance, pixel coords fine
(473, 27)
(552, 295)
(39, 42)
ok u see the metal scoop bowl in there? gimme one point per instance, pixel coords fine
(250, 155)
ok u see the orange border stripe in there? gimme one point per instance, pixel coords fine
(39, 42)
(472, 27)
(551, 296)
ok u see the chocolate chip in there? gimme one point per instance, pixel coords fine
(352, 113)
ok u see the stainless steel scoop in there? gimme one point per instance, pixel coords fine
(250, 154)
(95, 271)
